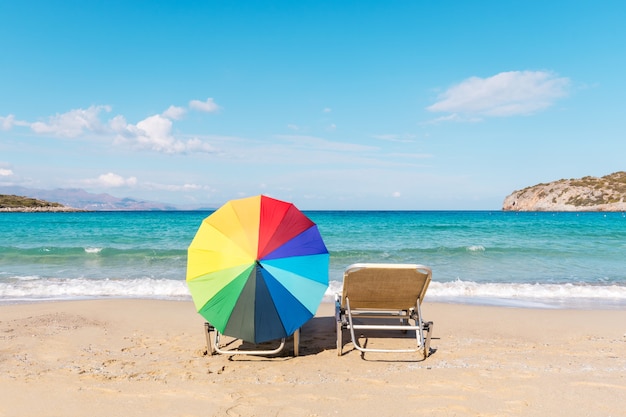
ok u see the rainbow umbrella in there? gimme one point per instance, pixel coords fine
(257, 269)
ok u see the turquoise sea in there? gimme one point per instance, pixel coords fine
(536, 260)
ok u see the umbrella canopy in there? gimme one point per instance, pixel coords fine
(257, 269)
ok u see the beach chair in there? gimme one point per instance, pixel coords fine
(375, 295)
(214, 346)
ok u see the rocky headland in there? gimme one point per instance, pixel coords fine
(14, 203)
(606, 193)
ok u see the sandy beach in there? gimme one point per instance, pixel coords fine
(148, 358)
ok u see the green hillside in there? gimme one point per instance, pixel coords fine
(14, 201)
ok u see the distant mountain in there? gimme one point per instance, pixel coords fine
(81, 199)
(607, 193)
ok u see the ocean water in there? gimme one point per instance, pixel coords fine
(535, 260)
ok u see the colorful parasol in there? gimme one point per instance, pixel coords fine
(257, 269)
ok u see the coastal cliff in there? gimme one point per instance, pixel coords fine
(607, 193)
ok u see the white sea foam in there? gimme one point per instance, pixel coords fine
(28, 277)
(522, 295)
(50, 289)
(476, 248)
(30, 288)
(93, 250)
(334, 287)
(532, 291)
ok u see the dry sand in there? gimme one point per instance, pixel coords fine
(147, 358)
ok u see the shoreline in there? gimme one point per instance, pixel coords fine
(526, 303)
(147, 358)
(41, 210)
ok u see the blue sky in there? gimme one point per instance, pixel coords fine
(413, 105)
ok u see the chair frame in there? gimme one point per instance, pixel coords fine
(345, 316)
(214, 348)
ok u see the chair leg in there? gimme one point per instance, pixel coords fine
(404, 322)
(428, 326)
(207, 332)
(339, 323)
(296, 343)
(339, 338)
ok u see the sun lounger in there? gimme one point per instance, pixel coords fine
(215, 346)
(375, 293)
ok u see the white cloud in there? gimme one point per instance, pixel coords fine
(6, 123)
(455, 117)
(396, 194)
(327, 110)
(196, 145)
(504, 94)
(319, 144)
(155, 133)
(73, 123)
(208, 106)
(390, 137)
(193, 187)
(174, 113)
(176, 188)
(118, 124)
(111, 180)
(152, 133)
(5, 172)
